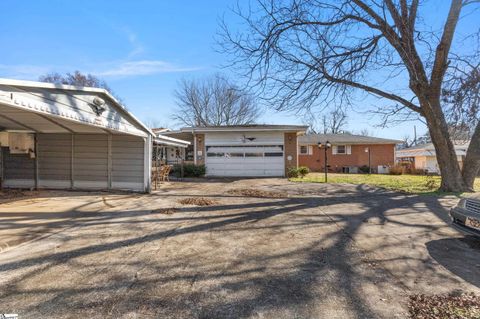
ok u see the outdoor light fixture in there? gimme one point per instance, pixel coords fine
(325, 146)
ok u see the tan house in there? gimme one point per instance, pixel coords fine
(242, 150)
(424, 156)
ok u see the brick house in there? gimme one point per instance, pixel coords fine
(242, 150)
(347, 153)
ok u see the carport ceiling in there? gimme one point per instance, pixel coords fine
(16, 119)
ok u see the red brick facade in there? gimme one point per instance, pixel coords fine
(291, 151)
(381, 154)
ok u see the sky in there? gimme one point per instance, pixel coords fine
(142, 49)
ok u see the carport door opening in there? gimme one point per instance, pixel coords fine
(261, 160)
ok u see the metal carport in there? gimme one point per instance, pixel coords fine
(68, 137)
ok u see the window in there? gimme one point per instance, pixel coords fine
(306, 150)
(215, 154)
(341, 149)
(233, 154)
(273, 154)
(253, 155)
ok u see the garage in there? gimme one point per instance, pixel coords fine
(258, 160)
(254, 150)
(67, 137)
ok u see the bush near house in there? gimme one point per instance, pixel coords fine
(293, 172)
(189, 170)
(303, 171)
(403, 169)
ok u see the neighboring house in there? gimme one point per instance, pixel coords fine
(69, 137)
(168, 150)
(424, 156)
(242, 150)
(348, 152)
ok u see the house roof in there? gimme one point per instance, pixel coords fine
(39, 98)
(344, 139)
(170, 141)
(247, 128)
(429, 150)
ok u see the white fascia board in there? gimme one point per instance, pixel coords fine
(225, 129)
(171, 142)
(45, 85)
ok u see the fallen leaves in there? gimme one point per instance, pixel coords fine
(460, 306)
(252, 192)
(198, 201)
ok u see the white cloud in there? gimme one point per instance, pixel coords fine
(143, 67)
(137, 47)
(23, 71)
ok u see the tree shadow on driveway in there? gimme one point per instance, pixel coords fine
(291, 257)
(461, 256)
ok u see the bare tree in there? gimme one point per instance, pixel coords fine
(366, 132)
(77, 79)
(214, 101)
(304, 53)
(333, 122)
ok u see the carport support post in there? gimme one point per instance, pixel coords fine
(109, 160)
(72, 155)
(35, 163)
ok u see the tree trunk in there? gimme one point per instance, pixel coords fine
(452, 180)
(471, 165)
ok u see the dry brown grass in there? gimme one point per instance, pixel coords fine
(166, 211)
(198, 201)
(7, 195)
(251, 192)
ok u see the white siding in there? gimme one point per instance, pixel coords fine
(91, 165)
(239, 138)
(127, 162)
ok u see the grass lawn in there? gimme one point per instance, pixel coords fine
(414, 184)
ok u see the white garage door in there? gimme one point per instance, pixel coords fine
(259, 160)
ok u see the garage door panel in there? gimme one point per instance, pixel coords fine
(252, 161)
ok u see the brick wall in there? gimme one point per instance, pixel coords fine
(200, 146)
(291, 146)
(381, 154)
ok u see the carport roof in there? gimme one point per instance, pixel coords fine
(55, 108)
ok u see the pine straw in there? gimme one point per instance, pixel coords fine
(166, 211)
(463, 306)
(198, 201)
(251, 192)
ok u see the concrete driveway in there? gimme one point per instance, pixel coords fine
(320, 251)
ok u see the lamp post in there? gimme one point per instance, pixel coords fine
(367, 150)
(325, 146)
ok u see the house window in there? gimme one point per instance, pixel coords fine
(341, 149)
(305, 150)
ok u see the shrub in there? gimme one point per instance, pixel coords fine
(431, 183)
(293, 172)
(397, 170)
(189, 170)
(303, 171)
(364, 169)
